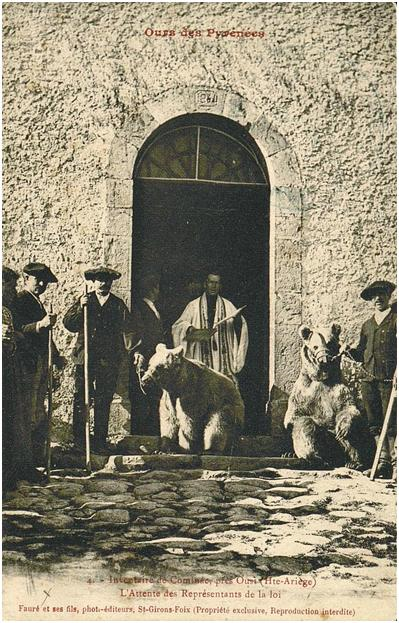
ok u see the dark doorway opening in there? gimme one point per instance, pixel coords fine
(184, 228)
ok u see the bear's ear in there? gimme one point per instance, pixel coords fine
(304, 332)
(160, 348)
(336, 330)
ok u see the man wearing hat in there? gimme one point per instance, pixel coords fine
(377, 351)
(34, 322)
(111, 333)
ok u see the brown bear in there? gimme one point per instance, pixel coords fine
(326, 426)
(200, 410)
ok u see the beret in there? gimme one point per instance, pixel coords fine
(92, 274)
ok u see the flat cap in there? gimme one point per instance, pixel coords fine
(9, 275)
(91, 274)
(37, 269)
(377, 286)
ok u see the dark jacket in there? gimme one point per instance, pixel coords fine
(27, 311)
(112, 330)
(152, 330)
(377, 347)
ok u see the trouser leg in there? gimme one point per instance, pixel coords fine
(8, 415)
(28, 382)
(393, 455)
(105, 384)
(79, 407)
(40, 424)
(139, 406)
(17, 434)
(154, 400)
(373, 404)
(101, 417)
(35, 389)
(39, 442)
(78, 417)
(385, 392)
(146, 414)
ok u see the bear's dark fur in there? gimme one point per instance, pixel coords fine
(200, 409)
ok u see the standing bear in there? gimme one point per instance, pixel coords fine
(326, 426)
(200, 410)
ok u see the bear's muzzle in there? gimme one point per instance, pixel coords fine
(323, 357)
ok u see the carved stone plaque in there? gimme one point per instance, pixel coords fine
(206, 98)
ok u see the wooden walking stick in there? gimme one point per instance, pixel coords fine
(86, 383)
(49, 397)
(385, 425)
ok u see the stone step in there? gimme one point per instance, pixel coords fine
(139, 462)
(256, 446)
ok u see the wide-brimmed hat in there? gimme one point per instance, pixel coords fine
(91, 274)
(377, 286)
(41, 271)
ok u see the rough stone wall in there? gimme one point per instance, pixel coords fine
(76, 75)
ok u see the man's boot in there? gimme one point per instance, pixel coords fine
(384, 468)
(392, 452)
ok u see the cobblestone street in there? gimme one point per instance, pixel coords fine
(128, 521)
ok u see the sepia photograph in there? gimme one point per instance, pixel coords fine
(199, 311)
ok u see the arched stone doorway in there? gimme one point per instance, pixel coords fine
(201, 197)
(286, 205)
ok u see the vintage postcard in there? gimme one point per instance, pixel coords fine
(199, 311)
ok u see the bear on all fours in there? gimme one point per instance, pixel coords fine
(201, 411)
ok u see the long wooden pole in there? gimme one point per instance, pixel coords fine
(49, 398)
(384, 429)
(87, 384)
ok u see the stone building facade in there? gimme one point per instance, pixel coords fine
(313, 85)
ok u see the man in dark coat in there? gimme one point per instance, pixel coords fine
(145, 408)
(111, 332)
(34, 322)
(16, 433)
(377, 351)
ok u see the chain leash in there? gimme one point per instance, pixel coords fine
(139, 371)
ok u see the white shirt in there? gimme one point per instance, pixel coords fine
(102, 299)
(152, 306)
(380, 315)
